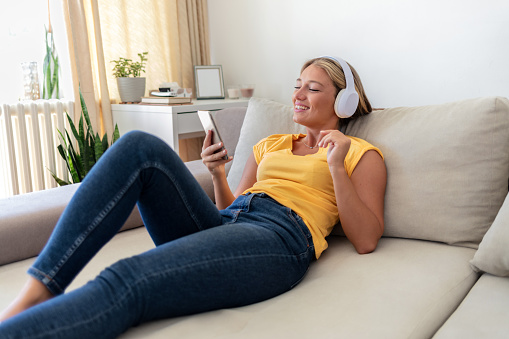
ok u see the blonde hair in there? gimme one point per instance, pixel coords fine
(335, 73)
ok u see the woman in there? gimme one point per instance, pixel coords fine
(256, 244)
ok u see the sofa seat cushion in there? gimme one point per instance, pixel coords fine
(405, 289)
(483, 313)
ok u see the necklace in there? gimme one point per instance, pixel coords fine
(311, 147)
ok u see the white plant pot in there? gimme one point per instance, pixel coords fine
(131, 89)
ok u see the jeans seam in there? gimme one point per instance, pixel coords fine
(93, 225)
(87, 320)
(247, 204)
(207, 262)
(290, 215)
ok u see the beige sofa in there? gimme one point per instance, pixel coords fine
(448, 170)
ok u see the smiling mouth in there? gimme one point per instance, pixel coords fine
(301, 108)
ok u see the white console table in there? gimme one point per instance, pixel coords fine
(169, 123)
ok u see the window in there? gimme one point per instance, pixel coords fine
(22, 37)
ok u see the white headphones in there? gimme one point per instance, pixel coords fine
(347, 99)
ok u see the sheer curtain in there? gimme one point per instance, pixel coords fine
(173, 32)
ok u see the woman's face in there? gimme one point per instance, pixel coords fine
(313, 99)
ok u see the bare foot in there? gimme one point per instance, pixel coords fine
(33, 293)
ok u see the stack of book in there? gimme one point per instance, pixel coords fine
(156, 100)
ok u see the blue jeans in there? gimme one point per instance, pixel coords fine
(204, 259)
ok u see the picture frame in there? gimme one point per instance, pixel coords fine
(209, 82)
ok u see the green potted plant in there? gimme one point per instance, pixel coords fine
(90, 147)
(131, 86)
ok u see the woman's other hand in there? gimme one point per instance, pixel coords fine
(339, 144)
(212, 155)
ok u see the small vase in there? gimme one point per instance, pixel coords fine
(30, 80)
(131, 89)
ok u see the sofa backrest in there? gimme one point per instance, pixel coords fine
(447, 165)
(263, 118)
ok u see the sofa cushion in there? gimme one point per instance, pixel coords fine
(483, 313)
(27, 220)
(447, 167)
(405, 289)
(493, 253)
(263, 118)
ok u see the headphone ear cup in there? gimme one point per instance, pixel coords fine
(346, 103)
(348, 98)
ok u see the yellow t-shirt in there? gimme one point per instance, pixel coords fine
(303, 183)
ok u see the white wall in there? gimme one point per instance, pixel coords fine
(407, 52)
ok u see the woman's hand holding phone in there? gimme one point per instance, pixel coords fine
(214, 156)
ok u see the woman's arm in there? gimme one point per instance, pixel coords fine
(216, 166)
(360, 201)
(360, 198)
(222, 192)
(248, 178)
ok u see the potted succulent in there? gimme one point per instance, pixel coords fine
(131, 86)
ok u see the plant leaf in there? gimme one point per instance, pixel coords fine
(54, 79)
(98, 147)
(116, 135)
(59, 181)
(105, 143)
(85, 156)
(75, 162)
(85, 110)
(73, 129)
(64, 155)
(74, 174)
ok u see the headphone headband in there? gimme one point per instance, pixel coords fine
(347, 99)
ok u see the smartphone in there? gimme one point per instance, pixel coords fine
(208, 124)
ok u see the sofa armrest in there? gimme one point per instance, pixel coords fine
(27, 220)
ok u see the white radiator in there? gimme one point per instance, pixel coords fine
(28, 145)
